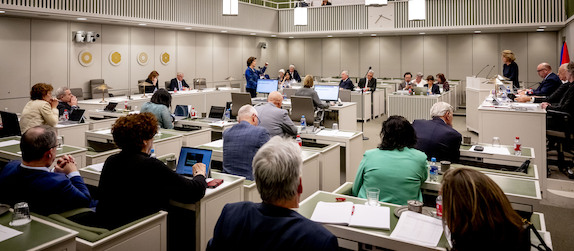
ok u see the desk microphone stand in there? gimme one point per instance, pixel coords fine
(363, 106)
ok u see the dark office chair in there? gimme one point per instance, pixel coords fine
(302, 106)
(239, 99)
(560, 135)
(78, 92)
(199, 83)
(10, 123)
(288, 92)
(168, 85)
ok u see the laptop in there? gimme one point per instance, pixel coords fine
(420, 90)
(181, 111)
(189, 156)
(76, 117)
(215, 114)
(111, 107)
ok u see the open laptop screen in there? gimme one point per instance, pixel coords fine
(189, 156)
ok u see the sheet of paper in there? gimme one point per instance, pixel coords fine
(7, 233)
(345, 134)
(105, 131)
(220, 123)
(327, 133)
(333, 212)
(494, 150)
(418, 228)
(371, 217)
(216, 144)
(96, 167)
(9, 143)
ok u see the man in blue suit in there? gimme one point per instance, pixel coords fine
(436, 137)
(31, 181)
(178, 83)
(346, 83)
(550, 81)
(241, 142)
(272, 225)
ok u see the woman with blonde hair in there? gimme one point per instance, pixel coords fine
(510, 68)
(307, 91)
(479, 215)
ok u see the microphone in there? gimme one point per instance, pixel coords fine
(370, 67)
(481, 70)
(490, 71)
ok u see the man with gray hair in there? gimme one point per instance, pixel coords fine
(436, 137)
(419, 81)
(370, 82)
(178, 83)
(346, 83)
(66, 100)
(241, 142)
(272, 225)
(294, 74)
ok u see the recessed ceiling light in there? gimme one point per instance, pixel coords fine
(477, 31)
(373, 35)
(252, 33)
(2, 11)
(224, 31)
(82, 18)
(542, 27)
(330, 36)
(539, 29)
(291, 37)
(273, 35)
(422, 33)
(142, 24)
(361, 33)
(188, 28)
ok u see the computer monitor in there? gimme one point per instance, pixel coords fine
(181, 111)
(239, 99)
(189, 156)
(267, 85)
(327, 92)
(216, 112)
(420, 90)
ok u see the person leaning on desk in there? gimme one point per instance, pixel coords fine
(479, 215)
(395, 167)
(272, 225)
(159, 106)
(133, 184)
(555, 97)
(306, 91)
(41, 110)
(550, 81)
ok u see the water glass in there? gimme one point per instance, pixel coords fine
(335, 126)
(495, 142)
(373, 197)
(21, 214)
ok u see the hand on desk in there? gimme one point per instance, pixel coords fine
(66, 164)
(523, 98)
(198, 169)
(544, 105)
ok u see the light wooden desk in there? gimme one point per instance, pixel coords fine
(475, 158)
(363, 103)
(192, 138)
(101, 123)
(476, 91)
(414, 106)
(12, 151)
(38, 235)
(73, 134)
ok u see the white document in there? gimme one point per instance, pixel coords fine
(216, 144)
(354, 215)
(333, 212)
(345, 134)
(96, 167)
(105, 131)
(327, 133)
(9, 143)
(371, 217)
(494, 150)
(220, 123)
(7, 233)
(418, 228)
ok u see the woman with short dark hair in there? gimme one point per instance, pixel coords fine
(252, 75)
(159, 106)
(479, 215)
(41, 109)
(441, 81)
(133, 184)
(396, 168)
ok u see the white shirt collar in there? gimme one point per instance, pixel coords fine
(36, 168)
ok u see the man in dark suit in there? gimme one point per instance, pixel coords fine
(554, 97)
(372, 82)
(30, 180)
(66, 100)
(550, 81)
(436, 137)
(346, 83)
(272, 225)
(566, 103)
(241, 142)
(178, 83)
(294, 74)
(273, 118)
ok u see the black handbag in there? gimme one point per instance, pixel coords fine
(542, 246)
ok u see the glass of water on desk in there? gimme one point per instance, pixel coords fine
(335, 126)
(373, 196)
(21, 214)
(495, 142)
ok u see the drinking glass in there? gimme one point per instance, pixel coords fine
(21, 214)
(373, 197)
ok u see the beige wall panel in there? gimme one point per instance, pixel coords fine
(517, 43)
(116, 38)
(220, 57)
(15, 63)
(390, 57)
(331, 54)
(369, 55)
(540, 50)
(568, 34)
(142, 40)
(459, 56)
(204, 56)
(15, 105)
(236, 63)
(49, 52)
(350, 57)
(249, 50)
(297, 54)
(485, 52)
(282, 54)
(185, 56)
(435, 55)
(165, 41)
(412, 53)
(267, 55)
(312, 58)
(80, 75)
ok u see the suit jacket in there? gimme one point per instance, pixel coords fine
(511, 72)
(372, 83)
(566, 103)
(240, 144)
(437, 139)
(308, 92)
(173, 84)
(252, 75)
(261, 226)
(38, 112)
(62, 106)
(403, 85)
(134, 185)
(295, 76)
(347, 84)
(435, 89)
(275, 120)
(548, 85)
(556, 96)
(46, 192)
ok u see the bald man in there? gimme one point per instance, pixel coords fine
(550, 81)
(275, 119)
(557, 95)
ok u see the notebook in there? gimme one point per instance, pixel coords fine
(189, 156)
(353, 215)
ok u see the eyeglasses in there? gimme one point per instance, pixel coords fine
(59, 145)
(258, 120)
(540, 70)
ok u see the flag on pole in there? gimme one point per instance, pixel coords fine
(564, 57)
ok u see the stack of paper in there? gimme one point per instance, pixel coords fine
(9, 143)
(347, 213)
(418, 228)
(7, 233)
